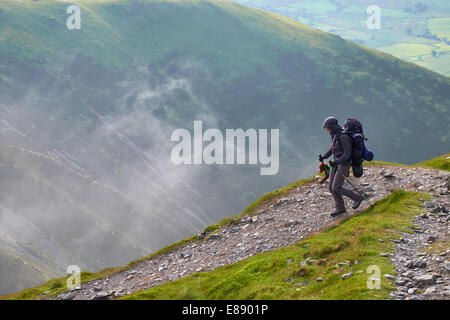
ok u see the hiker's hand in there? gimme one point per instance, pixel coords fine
(320, 158)
(332, 163)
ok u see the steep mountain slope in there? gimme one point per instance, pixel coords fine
(50, 216)
(104, 99)
(21, 273)
(244, 252)
(248, 67)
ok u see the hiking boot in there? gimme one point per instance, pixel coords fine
(357, 202)
(337, 211)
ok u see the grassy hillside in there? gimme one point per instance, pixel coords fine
(266, 70)
(104, 99)
(21, 273)
(440, 163)
(263, 276)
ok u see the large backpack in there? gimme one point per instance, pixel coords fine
(353, 128)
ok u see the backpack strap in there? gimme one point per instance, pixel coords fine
(338, 137)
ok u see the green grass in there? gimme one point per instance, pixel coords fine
(398, 26)
(421, 54)
(440, 27)
(440, 163)
(51, 288)
(441, 63)
(407, 50)
(263, 275)
(27, 32)
(253, 56)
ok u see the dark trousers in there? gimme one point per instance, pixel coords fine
(336, 186)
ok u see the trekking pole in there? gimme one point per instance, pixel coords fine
(364, 198)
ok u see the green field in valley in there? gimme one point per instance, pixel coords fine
(410, 31)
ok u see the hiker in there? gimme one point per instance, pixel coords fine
(341, 148)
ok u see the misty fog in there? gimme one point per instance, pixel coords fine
(111, 192)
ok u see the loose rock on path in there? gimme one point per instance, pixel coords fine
(297, 214)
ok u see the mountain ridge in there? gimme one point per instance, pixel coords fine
(391, 177)
(106, 97)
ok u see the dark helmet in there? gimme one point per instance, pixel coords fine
(330, 123)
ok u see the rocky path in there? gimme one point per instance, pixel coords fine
(422, 258)
(299, 213)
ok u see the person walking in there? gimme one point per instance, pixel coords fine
(341, 149)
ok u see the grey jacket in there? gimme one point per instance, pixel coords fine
(341, 146)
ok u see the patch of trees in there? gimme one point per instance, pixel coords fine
(428, 35)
